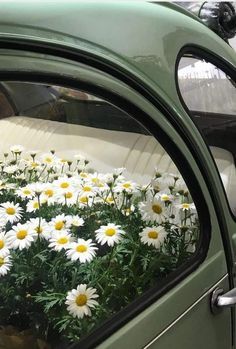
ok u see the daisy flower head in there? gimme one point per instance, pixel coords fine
(21, 236)
(64, 184)
(5, 264)
(153, 210)
(4, 244)
(59, 223)
(60, 240)
(153, 236)
(185, 206)
(17, 149)
(25, 192)
(84, 250)
(165, 196)
(10, 212)
(74, 221)
(33, 205)
(49, 193)
(109, 234)
(10, 169)
(41, 227)
(48, 159)
(126, 186)
(80, 300)
(67, 198)
(37, 187)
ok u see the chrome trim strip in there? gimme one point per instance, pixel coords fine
(186, 311)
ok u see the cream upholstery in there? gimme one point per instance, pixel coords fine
(106, 149)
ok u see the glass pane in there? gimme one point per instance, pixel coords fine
(93, 214)
(210, 96)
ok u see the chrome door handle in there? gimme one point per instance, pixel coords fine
(227, 299)
(219, 299)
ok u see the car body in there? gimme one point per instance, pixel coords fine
(128, 54)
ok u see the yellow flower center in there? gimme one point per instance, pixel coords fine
(1, 244)
(34, 164)
(49, 192)
(64, 185)
(59, 225)
(26, 192)
(87, 188)
(1, 261)
(110, 200)
(157, 208)
(63, 240)
(48, 159)
(95, 180)
(110, 232)
(35, 205)
(68, 195)
(81, 300)
(165, 198)
(10, 210)
(81, 248)
(21, 234)
(186, 206)
(38, 230)
(83, 174)
(153, 234)
(83, 199)
(126, 185)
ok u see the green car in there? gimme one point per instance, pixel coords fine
(117, 177)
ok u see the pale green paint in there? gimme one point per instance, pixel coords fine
(143, 39)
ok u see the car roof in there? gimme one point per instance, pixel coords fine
(139, 36)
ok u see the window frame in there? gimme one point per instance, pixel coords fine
(150, 296)
(227, 68)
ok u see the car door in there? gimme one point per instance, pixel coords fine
(90, 110)
(214, 115)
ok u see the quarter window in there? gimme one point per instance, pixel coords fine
(210, 96)
(94, 213)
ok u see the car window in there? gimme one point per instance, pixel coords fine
(94, 213)
(210, 96)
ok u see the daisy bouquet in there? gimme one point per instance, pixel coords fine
(76, 246)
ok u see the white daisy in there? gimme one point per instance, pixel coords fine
(185, 206)
(84, 250)
(126, 186)
(25, 192)
(153, 210)
(4, 244)
(41, 227)
(10, 169)
(64, 184)
(75, 221)
(17, 149)
(21, 236)
(48, 159)
(37, 187)
(5, 264)
(59, 223)
(33, 205)
(109, 234)
(80, 301)
(67, 198)
(153, 236)
(87, 190)
(10, 212)
(60, 240)
(50, 193)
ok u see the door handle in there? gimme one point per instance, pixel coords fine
(227, 299)
(219, 299)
